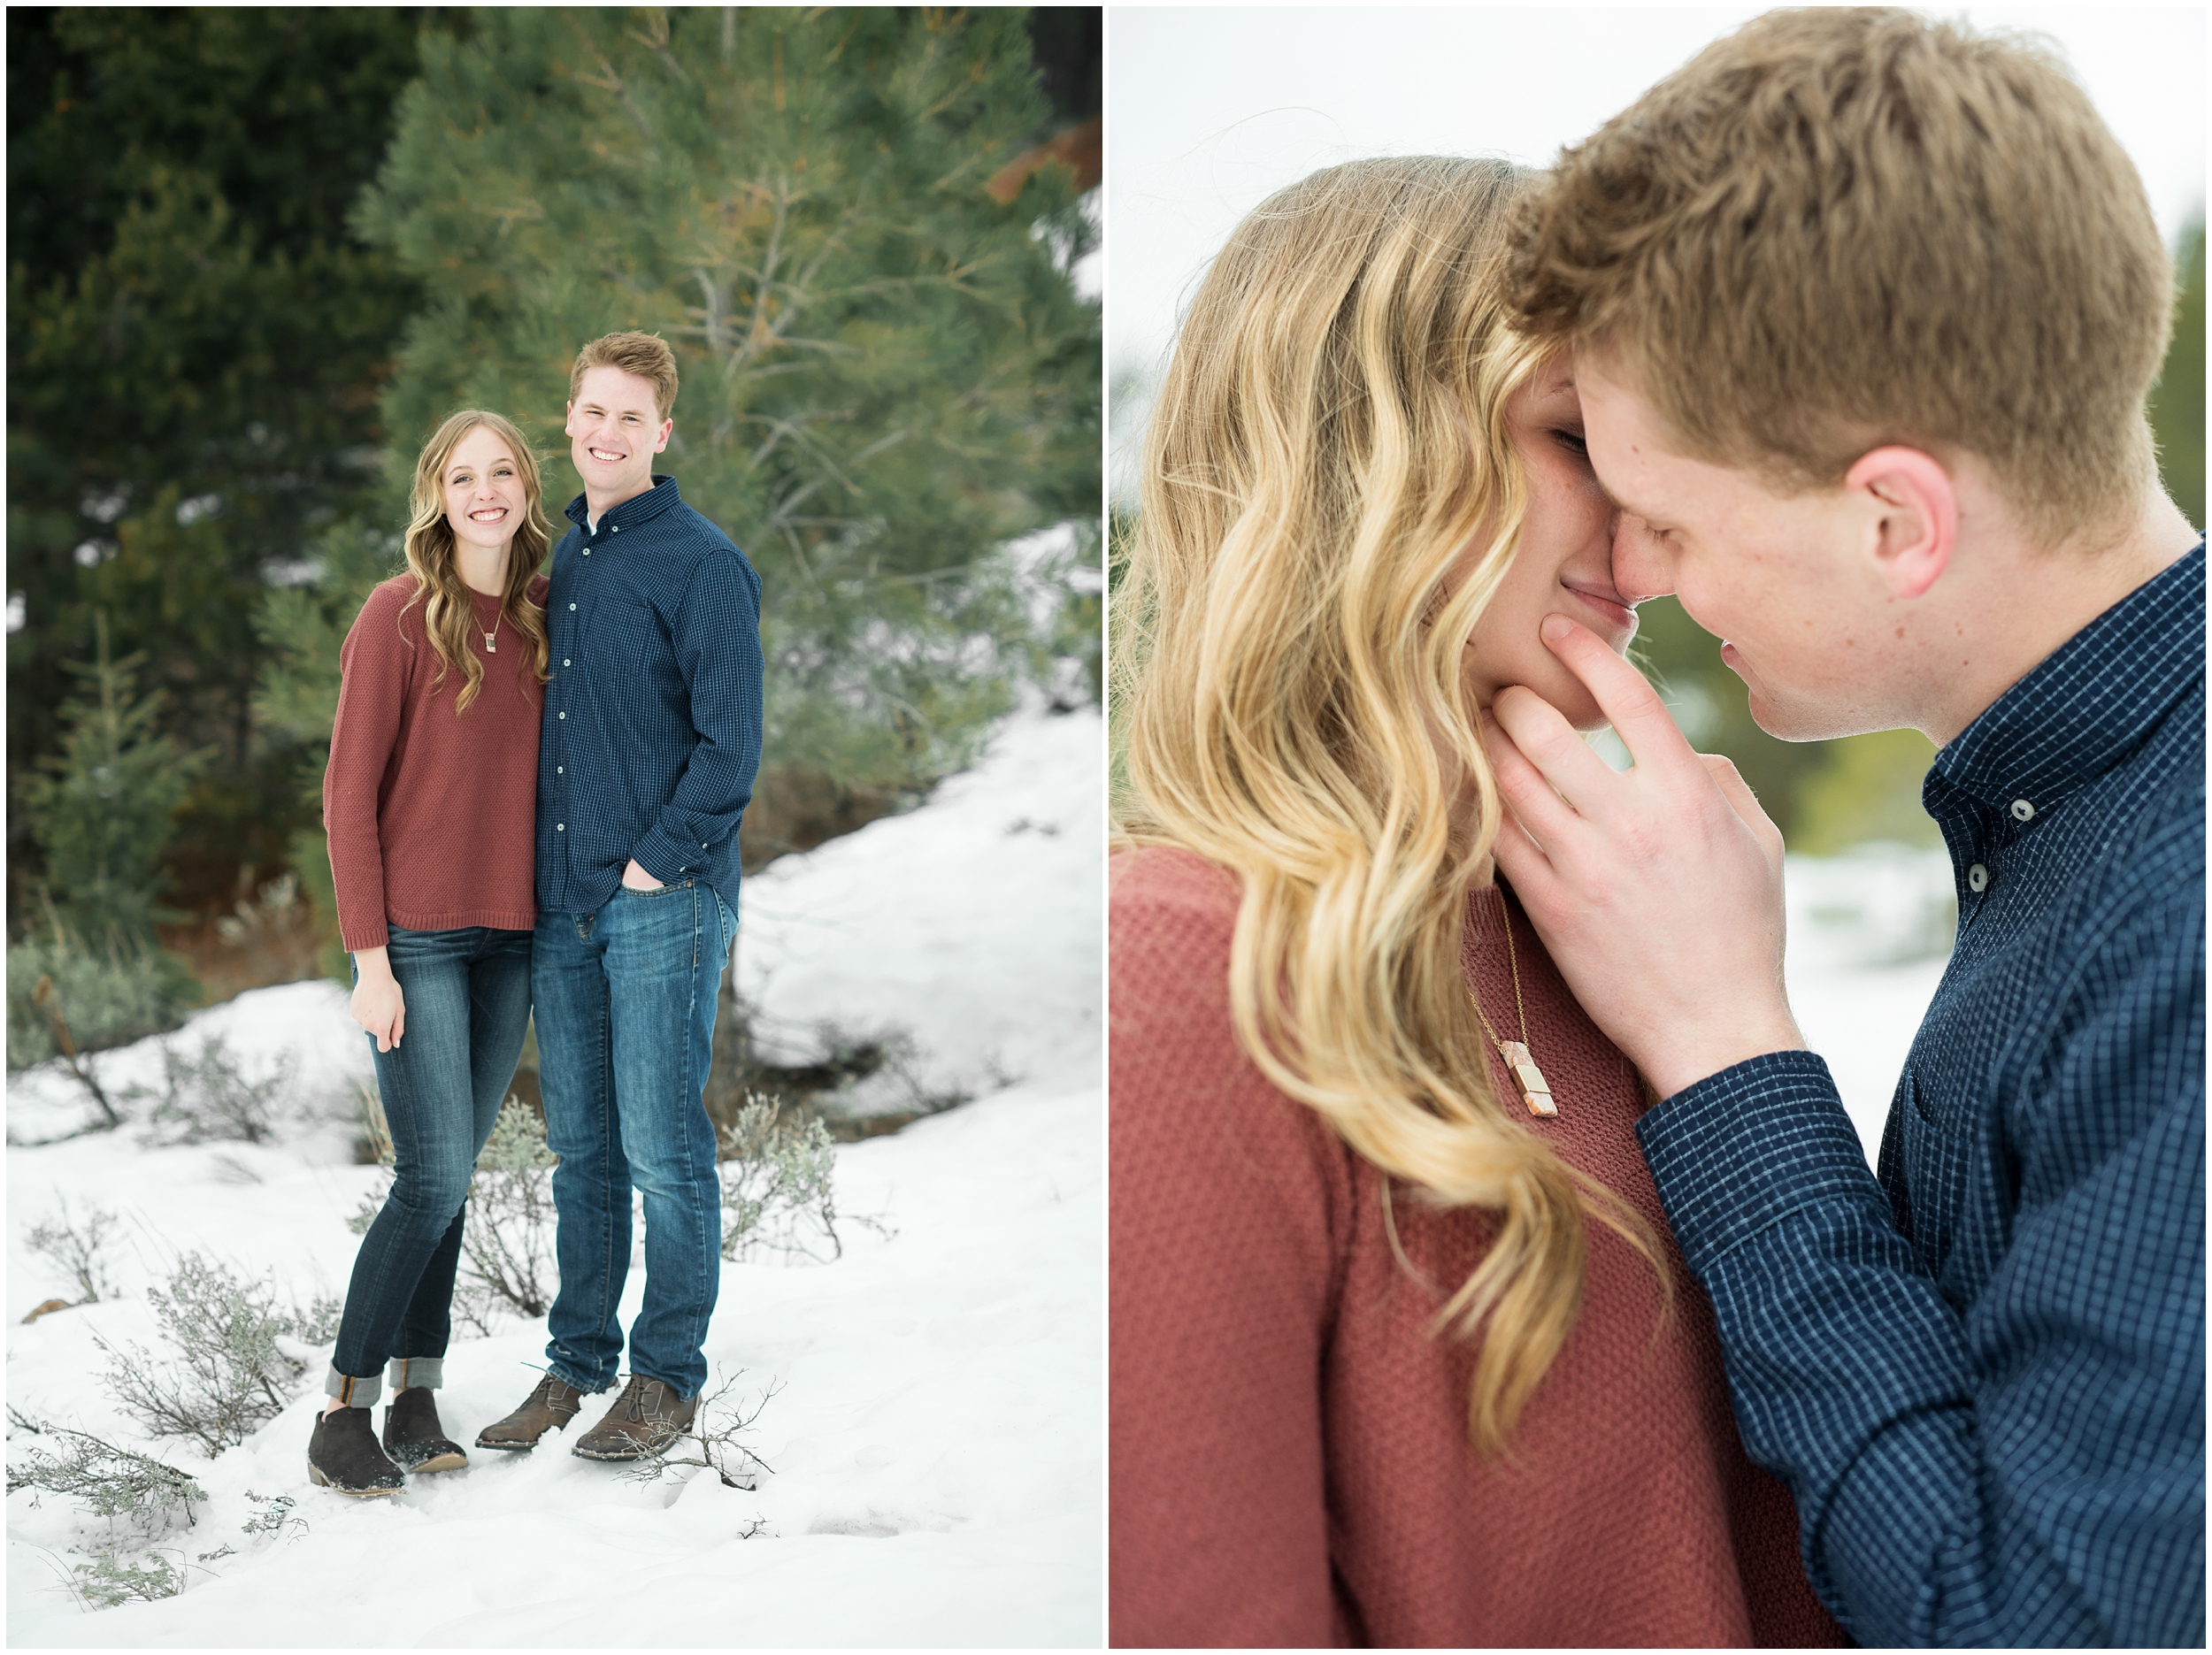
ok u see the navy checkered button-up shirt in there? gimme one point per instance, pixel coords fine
(1983, 1377)
(653, 710)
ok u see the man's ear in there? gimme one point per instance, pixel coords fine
(667, 426)
(1914, 509)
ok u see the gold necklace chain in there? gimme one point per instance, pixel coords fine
(1535, 1090)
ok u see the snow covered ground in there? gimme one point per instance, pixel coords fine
(937, 1437)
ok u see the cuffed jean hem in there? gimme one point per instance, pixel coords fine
(415, 1373)
(352, 1392)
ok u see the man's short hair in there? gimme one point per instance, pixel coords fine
(645, 355)
(1838, 228)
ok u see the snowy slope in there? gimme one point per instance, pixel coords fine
(936, 1439)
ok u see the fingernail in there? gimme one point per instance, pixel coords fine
(1555, 627)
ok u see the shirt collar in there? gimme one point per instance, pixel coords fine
(2090, 702)
(636, 509)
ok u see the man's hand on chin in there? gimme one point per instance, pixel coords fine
(1658, 891)
(637, 879)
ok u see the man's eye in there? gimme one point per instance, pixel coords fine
(1574, 442)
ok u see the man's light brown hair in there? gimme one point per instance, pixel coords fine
(1840, 228)
(645, 355)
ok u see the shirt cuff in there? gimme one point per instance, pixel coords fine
(1742, 1150)
(664, 859)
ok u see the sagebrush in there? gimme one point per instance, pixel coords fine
(229, 1371)
(79, 1245)
(148, 1493)
(778, 1172)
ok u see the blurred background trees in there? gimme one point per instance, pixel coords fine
(256, 255)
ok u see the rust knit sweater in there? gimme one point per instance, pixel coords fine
(1289, 1454)
(431, 817)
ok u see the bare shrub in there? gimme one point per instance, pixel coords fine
(231, 1374)
(777, 1174)
(507, 1257)
(714, 1441)
(211, 1098)
(79, 1245)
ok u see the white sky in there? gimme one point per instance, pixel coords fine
(1209, 109)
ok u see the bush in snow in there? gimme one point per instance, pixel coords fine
(507, 1249)
(211, 1098)
(112, 1482)
(94, 997)
(231, 1373)
(79, 1245)
(110, 1580)
(507, 1262)
(777, 1194)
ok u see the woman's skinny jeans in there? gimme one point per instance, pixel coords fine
(467, 997)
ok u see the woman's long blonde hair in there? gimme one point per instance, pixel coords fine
(447, 613)
(1329, 442)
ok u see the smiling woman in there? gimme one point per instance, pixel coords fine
(429, 801)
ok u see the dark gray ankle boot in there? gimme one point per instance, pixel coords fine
(414, 1438)
(343, 1455)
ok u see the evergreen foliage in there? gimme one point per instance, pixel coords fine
(887, 374)
(102, 808)
(195, 344)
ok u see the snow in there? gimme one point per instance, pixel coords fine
(936, 1435)
(1869, 935)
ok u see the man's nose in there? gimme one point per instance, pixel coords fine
(1639, 570)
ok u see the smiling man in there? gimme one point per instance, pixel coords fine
(650, 740)
(1863, 310)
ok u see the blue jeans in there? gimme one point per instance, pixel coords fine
(625, 1000)
(467, 998)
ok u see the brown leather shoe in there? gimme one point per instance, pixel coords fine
(647, 1416)
(414, 1438)
(548, 1407)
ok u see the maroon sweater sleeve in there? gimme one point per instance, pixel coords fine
(1223, 1276)
(375, 663)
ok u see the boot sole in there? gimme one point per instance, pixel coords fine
(505, 1448)
(454, 1461)
(624, 1452)
(316, 1476)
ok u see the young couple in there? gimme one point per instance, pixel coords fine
(1467, 1162)
(532, 803)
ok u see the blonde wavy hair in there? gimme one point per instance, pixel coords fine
(1330, 499)
(448, 615)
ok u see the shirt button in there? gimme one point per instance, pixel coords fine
(564, 714)
(587, 551)
(564, 663)
(571, 606)
(1978, 877)
(560, 827)
(560, 770)
(2022, 810)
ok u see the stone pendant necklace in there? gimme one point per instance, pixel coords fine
(1535, 1091)
(491, 646)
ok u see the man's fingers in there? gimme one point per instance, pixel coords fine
(1745, 803)
(1630, 705)
(1531, 786)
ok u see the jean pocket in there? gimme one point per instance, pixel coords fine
(658, 891)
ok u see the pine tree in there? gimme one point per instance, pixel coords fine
(104, 809)
(887, 374)
(195, 342)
